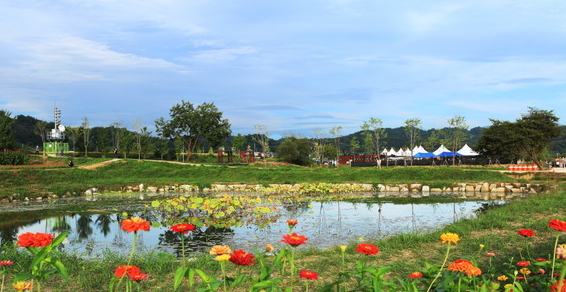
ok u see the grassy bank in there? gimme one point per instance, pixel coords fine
(60, 179)
(496, 230)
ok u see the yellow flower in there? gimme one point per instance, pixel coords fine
(269, 247)
(22, 285)
(502, 278)
(343, 248)
(223, 258)
(507, 286)
(525, 271)
(450, 238)
(220, 250)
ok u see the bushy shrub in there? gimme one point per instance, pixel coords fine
(13, 158)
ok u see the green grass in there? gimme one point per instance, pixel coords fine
(28, 181)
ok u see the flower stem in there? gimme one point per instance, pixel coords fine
(129, 259)
(554, 255)
(2, 287)
(292, 268)
(440, 271)
(223, 275)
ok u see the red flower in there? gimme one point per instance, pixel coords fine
(367, 249)
(294, 239)
(460, 265)
(135, 224)
(125, 270)
(523, 264)
(557, 224)
(242, 258)
(6, 263)
(138, 277)
(185, 228)
(554, 287)
(526, 232)
(29, 239)
(308, 275)
(415, 275)
(540, 260)
(292, 222)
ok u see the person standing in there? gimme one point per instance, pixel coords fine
(115, 152)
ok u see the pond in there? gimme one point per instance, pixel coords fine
(94, 222)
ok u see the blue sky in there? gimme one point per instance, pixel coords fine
(289, 65)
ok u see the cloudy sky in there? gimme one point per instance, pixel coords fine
(289, 65)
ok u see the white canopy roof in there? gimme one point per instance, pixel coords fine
(440, 150)
(419, 149)
(467, 151)
(384, 152)
(391, 152)
(407, 153)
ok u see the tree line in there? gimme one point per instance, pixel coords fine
(201, 128)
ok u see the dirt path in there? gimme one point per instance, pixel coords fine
(100, 164)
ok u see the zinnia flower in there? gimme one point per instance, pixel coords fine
(554, 287)
(415, 275)
(523, 263)
(22, 285)
(473, 271)
(308, 275)
(460, 265)
(367, 249)
(490, 254)
(185, 228)
(526, 232)
(125, 270)
(557, 224)
(542, 259)
(269, 247)
(29, 239)
(449, 238)
(242, 258)
(343, 248)
(561, 251)
(502, 278)
(223, 258)
(135, 224)
(6, 263)
(220, 250)
(294, 239)
(138, 277)
(292, 222)
(525, 271)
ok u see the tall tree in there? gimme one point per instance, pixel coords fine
(85, 129)
(39, 129)
(373, 131)
(537, 129)
(239, 142)
(190, 125)
(127, 141)
(262, 138)
(354, 145)
(499, 140)
(458, 129)
(116, 131)
(6, 134)
(336, 131)
(102, 140)
(412, 126)
(73, 136)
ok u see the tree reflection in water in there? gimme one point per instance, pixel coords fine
(84, 230)
(103, 222)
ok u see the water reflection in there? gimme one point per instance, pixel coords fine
(325, 223)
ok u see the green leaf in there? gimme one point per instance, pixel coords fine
(22, 277)
(178, 278)
(203, 276)
(61, 269)
(155, 204)
(237, 281)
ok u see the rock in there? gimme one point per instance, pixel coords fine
(425, 189)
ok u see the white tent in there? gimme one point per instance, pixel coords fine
(440, 150)
(407, 153)
(384, 152)
(391, 152)
(422, 150)
(467, 151)
(418, 149)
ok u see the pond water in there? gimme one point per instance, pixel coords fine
(95, 223)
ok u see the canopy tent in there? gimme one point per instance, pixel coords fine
(449, 154)
(424, 155)
(407, 152)
(418, 149)
(392, 152)
(384, 152)
(467, 151)
(440, 150)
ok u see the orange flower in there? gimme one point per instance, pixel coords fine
(450, 238)
(135, 224)
(269, 247)
(291, 222)
(242, 258)
(367, 249)
(490, 254)
(473, 271)
(561, 251)
(220, 250)
(185, 228)
(461, 265)
(294, 239)
(525, 271)
(308, 275)
(502, 278)
(125, 270)
(415, 275)
(29, 239)
(22, 285)
(523, 263)
(554, 287)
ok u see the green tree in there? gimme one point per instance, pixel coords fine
(6, 134)
(458, 130)
(412, 127)
(126, 142)
(354, 145)
(102, 140)
(296, 151)
(39, 129)
(85, 131)
(537, 128)
(240, 142)
(499, 140)
(73, 136)
(336, 131)
(190, 124)
(374, 132)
